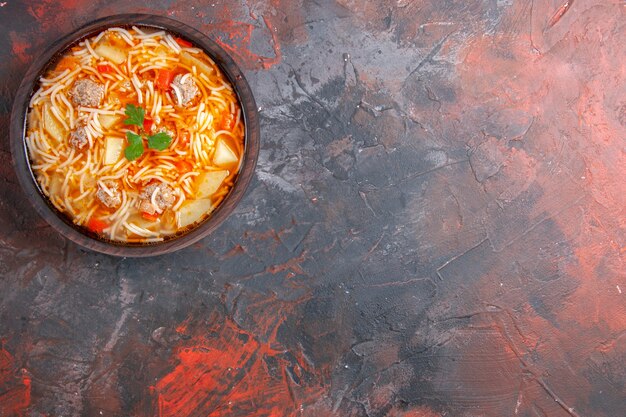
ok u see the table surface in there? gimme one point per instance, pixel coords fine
(436, 227)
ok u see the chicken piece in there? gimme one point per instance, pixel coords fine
(185, 89)
(111, 196)
(78, 138)
(155, 198)
(86, 92)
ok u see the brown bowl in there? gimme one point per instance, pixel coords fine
(81, 235)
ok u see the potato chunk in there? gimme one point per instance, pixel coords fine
(113, 148)
(107, 121)
(207, 183)
(110, 52)
(52, 127)
(193, 210)
(223, 154)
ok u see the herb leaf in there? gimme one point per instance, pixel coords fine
(135, 146)
(159, 141)
(135, 115)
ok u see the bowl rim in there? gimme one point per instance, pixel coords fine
(59, 221)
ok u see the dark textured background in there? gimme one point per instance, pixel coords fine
(437, 225)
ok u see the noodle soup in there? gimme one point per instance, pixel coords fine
(135, 134)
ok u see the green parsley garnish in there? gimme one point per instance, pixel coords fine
(159, 141)
(135, 115)
(135, 146)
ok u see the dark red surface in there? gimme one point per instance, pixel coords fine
(436, 228)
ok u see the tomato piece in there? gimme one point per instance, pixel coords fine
(164, 79)
(183, 137)
(147, 124)
(151, 217)
(227, 122)
(96, 225)
(105, 69)
(183, 43)
(183, 167)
